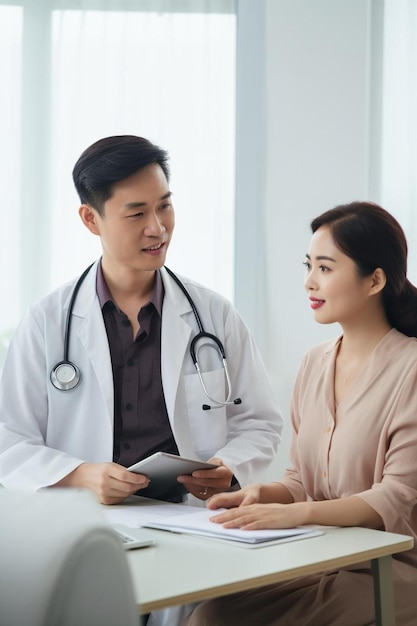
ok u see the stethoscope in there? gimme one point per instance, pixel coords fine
(65, 375)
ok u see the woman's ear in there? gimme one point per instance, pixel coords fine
(378, 281)
(89, 218)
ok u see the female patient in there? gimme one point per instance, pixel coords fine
(354, 420)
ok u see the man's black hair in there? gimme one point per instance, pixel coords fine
(109, 160)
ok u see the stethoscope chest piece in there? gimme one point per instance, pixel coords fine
(65, 376)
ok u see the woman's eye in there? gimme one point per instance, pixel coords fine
(307, 264)
(323, 268)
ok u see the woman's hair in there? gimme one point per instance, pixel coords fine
(373, 238)
(111, 159)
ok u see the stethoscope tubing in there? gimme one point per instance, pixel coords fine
(65, 375)
(70, 309)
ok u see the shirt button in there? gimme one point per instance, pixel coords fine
(324, 474)
(129, 406)
(328, 430)
(130, 362)
(126, 446)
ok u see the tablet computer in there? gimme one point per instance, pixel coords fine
(163, 468)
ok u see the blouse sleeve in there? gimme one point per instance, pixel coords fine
(394, 491)
(292, 478)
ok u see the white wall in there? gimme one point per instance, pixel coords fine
(316, 105)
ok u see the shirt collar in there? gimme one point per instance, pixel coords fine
(104, 295)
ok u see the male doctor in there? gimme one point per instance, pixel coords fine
(130, 335)
(131, 328)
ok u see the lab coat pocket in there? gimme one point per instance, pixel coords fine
(208, 428)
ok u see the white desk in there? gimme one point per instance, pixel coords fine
(183, 568)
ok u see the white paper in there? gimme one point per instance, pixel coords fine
(198, 522)
(195, 520)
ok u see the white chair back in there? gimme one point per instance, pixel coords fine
(60, 562)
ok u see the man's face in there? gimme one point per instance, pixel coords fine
(137, 222)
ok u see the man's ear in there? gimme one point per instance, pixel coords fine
(378, 281)
(89, 218)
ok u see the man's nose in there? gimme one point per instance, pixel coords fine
(154, 225)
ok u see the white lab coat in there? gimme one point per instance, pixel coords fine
(46, 433)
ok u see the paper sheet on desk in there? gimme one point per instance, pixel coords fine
(198, 523)
(194, 520)
(137, 513)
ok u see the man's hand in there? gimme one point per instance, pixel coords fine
(111, 483)
(204, 483)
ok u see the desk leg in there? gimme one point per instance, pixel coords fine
(383, 591)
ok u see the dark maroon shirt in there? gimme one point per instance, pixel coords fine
(141, 424)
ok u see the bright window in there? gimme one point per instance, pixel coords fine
(10, 159)
(73, 75)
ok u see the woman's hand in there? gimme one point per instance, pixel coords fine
(248, 495)
(349, 511)
(262, 516)
(252, 494)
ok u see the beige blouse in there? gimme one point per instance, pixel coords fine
(368, 445)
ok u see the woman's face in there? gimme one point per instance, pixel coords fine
(336, 291)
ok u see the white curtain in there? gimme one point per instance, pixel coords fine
(398, 177)
(10, 150)
(73, 71)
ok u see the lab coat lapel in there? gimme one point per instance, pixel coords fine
(92, 334)
(175, 336)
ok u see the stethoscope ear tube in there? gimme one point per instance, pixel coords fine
(193, 351)
(204, 335)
